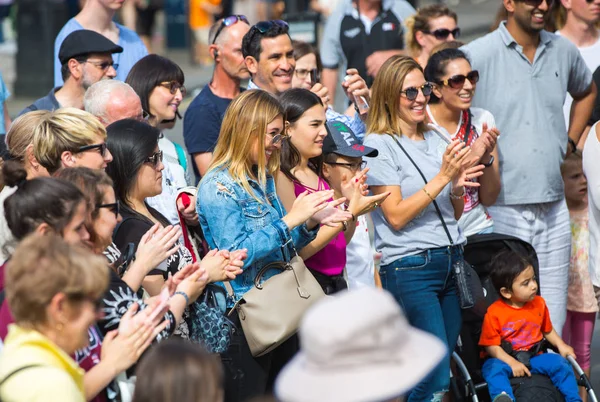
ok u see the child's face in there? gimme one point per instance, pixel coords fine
(339, 175)
(575, 182)
(524, 288)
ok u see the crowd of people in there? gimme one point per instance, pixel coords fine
(125, 268)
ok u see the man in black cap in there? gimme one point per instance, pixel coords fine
(86, 58)
(342, 160)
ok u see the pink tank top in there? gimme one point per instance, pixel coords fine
(331, 259)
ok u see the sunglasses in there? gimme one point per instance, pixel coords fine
(79, 297)
(100, 147)
(277, 138)
(412, 92)
(457, 81)
(228, 21)
(442, 34)
(264, 26)
(173, 86)
(537, 3)
(155, 158)
(352, 166)
(103, 65)
(114, 207)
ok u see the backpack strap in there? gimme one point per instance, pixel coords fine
(181, 157)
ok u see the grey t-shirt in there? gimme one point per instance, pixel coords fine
(527, 100)
(392, 168)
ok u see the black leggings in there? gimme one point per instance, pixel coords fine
(246, 376)
(330, 284)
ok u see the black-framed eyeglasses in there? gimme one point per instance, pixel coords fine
(79, 297)
(229, 21)
(443, 33)
(115, 207)
(537, 3)
(103, 65)
(457, 81)
(352, 166)
(173, 86)
(302, 73)
(155, 158)
(101, 147)
(412, 92)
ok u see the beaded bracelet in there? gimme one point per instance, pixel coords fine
(185, 296)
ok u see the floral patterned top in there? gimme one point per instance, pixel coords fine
(581, 296)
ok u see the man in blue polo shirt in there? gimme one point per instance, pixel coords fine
(525, 74)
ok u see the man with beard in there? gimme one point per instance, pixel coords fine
(86, 58)
(526, 73)
(203, 118)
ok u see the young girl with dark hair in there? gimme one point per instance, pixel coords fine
(450, 114)
(301, 171)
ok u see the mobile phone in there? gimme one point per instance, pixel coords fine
(314, 77)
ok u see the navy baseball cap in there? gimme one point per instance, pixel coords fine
(342, 141)
(84, 41)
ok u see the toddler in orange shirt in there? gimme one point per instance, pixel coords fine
(520, 318)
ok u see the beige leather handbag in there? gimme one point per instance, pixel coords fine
(271, 311)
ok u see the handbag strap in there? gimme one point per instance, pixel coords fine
(286, 258)
(435, 204)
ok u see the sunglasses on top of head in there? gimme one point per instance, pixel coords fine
(411, 93)
(442, 34)
(264, 26)
(229, 21)
(457, 81)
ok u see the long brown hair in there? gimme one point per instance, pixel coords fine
(420, 22)
(244, 125)
(384, 116)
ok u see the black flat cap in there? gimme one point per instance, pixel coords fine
(84, 41)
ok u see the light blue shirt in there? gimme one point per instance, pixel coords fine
(4, 95)
(133, 50)
(355, 123)
(391, 167)
(526, 99)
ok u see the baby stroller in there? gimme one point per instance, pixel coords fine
(467, 382)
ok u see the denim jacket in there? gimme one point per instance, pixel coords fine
(232, 219)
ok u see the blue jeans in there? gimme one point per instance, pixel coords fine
(424, 287)
(497, 374)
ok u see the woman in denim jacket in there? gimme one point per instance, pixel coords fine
(239, 209)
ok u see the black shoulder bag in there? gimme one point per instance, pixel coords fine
(468, 285)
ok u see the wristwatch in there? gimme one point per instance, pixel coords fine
(490, 162)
